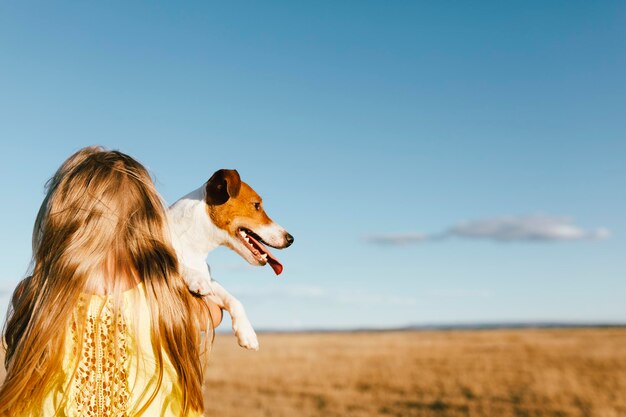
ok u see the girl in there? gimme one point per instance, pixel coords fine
(104, 325)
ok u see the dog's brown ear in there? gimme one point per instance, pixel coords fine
(222, 185)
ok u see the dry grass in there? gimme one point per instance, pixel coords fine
(529, 373)
(554, 373)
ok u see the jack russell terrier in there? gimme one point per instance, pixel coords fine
(224, 211)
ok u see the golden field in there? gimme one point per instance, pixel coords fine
(499, 373)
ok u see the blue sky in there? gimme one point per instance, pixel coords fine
(436, 162)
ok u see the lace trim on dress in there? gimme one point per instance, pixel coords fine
(100, 385)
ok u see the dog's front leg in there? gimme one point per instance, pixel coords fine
(246, 336)
(202, 283)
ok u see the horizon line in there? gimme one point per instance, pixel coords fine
(506, 325)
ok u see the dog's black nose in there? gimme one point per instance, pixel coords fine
(289, 239)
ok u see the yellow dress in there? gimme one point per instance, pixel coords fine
(99, 388)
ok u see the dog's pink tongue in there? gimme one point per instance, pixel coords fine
(276, 266)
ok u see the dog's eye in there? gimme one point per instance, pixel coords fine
(257, 206)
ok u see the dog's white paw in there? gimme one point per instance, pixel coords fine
(197, 282)
(246, 336)
(200, 287)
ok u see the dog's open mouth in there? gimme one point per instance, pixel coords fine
(255, 244)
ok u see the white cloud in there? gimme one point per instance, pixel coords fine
(398, 238)
(373, 299)
(460, 293)
(292, 291)
(354, 297)
(319, 294)
(503, 229)
(526, 228)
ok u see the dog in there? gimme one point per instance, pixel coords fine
(224, 211)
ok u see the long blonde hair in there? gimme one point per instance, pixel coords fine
(101, 216)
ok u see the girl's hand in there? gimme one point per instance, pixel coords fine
(216, 314)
